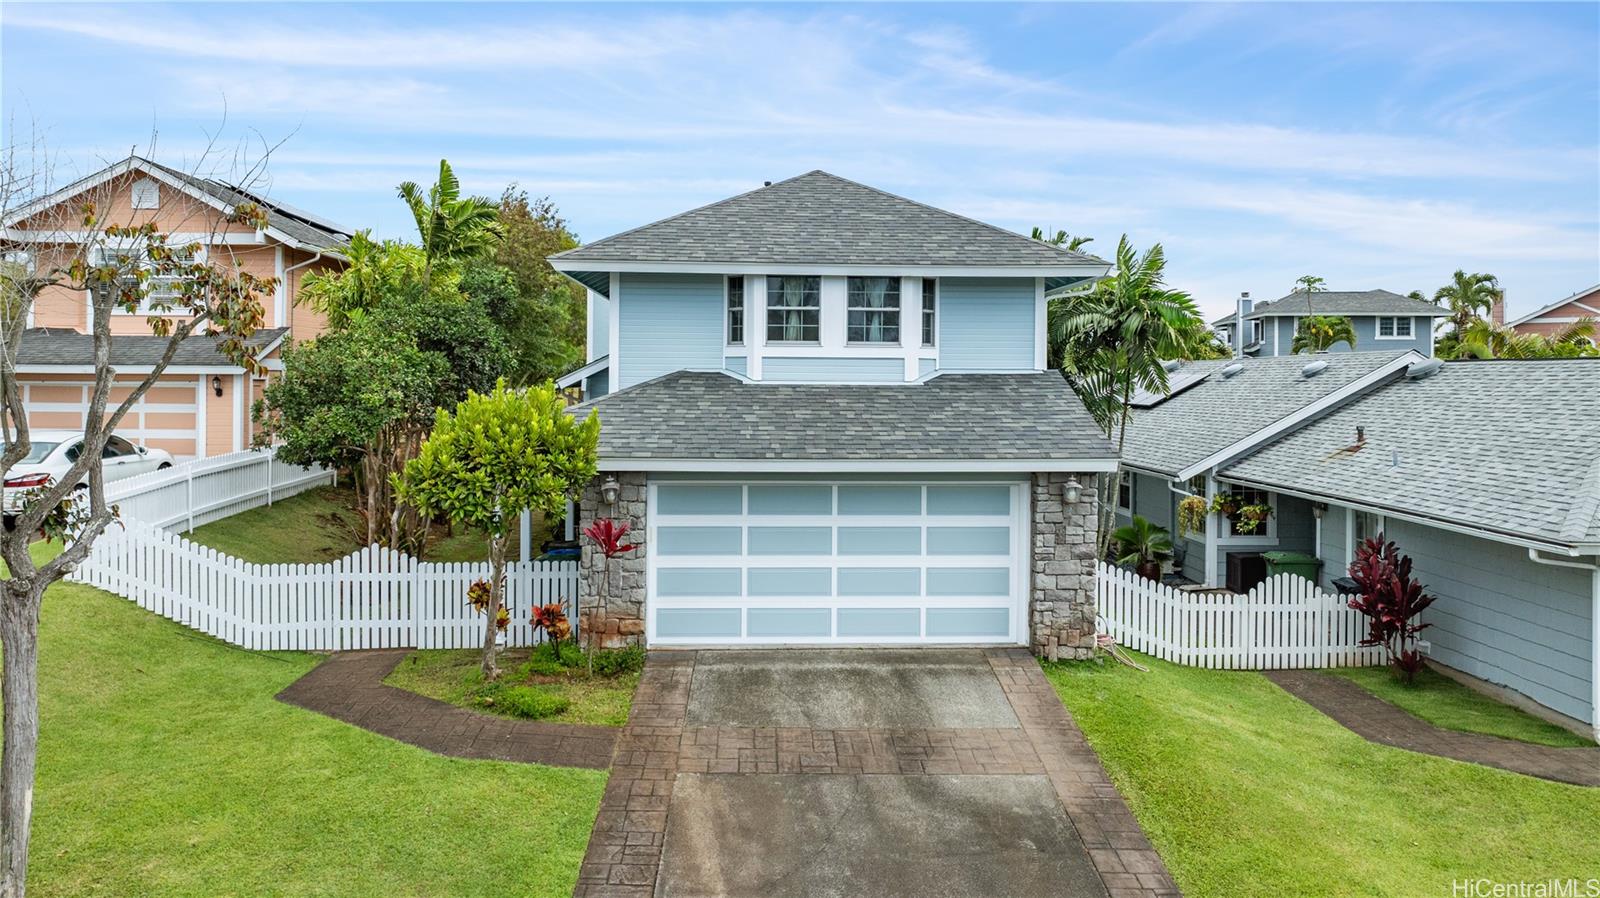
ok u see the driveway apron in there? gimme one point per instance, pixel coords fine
(835, 773)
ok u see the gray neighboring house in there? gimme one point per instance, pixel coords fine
(1382, 321)
(826, 412)
(1217, 411)
(1488, 475)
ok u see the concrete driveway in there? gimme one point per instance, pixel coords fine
(813, 774)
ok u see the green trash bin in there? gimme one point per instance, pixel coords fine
(1307, 566)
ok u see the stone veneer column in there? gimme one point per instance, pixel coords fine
(1061, 607)
(619, 616)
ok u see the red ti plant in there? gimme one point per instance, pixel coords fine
(1391, 599)
(608, 536)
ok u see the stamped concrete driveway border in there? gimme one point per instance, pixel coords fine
(625, 855)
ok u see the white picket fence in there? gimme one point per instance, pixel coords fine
(211, 489)
(374, 598)
(1285, 622)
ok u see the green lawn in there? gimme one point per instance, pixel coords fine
(1246, 791)
(167, 769)
(320, 525)
(453, 675)
(1442, 701)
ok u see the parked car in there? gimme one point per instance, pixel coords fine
(54, 451)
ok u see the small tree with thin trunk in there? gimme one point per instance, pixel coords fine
(72, 246)
(608, 536)
(495, 455)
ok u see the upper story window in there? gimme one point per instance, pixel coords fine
(146, 194)
(794, 308)
(159, 291)
(736, 309)
(930, 296)
(1390, 328)
(873, 310)
(1125, 491)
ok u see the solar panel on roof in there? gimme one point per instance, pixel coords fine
(1175, 385)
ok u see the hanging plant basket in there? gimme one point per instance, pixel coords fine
(1192, 513)
(1251, 517)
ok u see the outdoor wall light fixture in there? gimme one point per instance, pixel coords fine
(216, 385)
(1318, 509)
(1072, 490)
(609, 489)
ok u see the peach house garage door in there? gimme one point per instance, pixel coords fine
(166, 417)
(815, 562)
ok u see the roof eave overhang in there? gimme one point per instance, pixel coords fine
(219, 368)
(588, 369)
(1490, 533)
(861, 466)
(1063, 270)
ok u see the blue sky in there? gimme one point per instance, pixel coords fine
(1374, 145)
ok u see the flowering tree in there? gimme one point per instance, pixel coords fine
(494, 456)
(608, 536)
(1391, 599)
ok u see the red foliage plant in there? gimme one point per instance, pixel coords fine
(1391, 599)
(552, 619)
(608, 535)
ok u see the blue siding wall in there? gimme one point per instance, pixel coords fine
(738, 364)
(1503, 618)
(838, 370)
(1366, 328)
(599, 325)
(599, 385)
(668, 322)
(986, 323)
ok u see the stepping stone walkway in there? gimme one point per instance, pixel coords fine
(349, 687)
(1378, 721)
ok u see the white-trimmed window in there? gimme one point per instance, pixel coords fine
(145, 194)
(930, 299)
(1391, 327)
(794, 308)
(736, 310)
(158, 290)
(1266, 530)
(1125, 491)
(872, 310)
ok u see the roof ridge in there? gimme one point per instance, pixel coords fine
(725, 200)
(1073, 254)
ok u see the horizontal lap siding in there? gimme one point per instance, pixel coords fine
(833, 370)
(666, 323)
(1503, 618)
(987, 323)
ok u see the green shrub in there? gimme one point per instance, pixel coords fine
(610, 662)
(531, 702)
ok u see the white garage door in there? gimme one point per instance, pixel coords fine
(837, 563)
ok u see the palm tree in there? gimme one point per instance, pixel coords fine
(1469, 297)
(1319, 332)
(1061, 239)
(1114, 338)
(1142, 546)
(1487, 340)
(452, 229)
(1307, 284)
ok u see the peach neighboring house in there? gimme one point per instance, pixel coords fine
(1561, 314)
(201, 405)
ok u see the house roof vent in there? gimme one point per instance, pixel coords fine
(1232, 369)
(1171, 365)
(1313, 369)
(1425, 368)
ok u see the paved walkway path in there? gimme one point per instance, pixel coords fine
(349, 687)
(1376, 720)
(704, 800)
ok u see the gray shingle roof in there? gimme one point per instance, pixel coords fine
(819, 218)
(61, 346)
(1508, 446)
(707, 415)
(301, 226)
(1221, 411)
(1360, 302)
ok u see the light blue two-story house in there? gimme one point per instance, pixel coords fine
(826, 412)
(1382, 321)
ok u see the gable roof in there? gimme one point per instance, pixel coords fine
(1574, 298)
(820, 219)
(1342, 302)
(1505, 446)
(42, 348)
(285, 223)
(1184, 435)
(697, 420)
